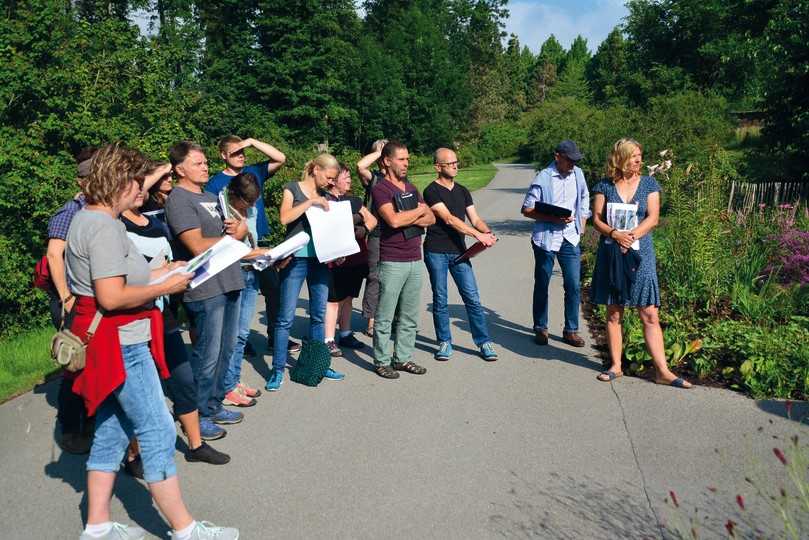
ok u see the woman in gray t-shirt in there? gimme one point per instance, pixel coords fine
(120, 382)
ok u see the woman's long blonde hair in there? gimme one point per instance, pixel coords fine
(324, 161)
(620, 156)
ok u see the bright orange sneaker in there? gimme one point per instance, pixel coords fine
(248, 391)
(235, 399)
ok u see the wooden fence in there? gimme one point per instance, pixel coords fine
(746, 195)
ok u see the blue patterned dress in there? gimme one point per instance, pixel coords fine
(645, 291)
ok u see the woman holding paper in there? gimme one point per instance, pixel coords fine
(120, 383)
(318, 174)
(347, 274)
(626, 208)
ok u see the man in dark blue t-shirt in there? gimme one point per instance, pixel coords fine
(231, 150)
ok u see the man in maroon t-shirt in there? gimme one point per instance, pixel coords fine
(402, 217)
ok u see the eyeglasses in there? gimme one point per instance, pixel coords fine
(449, 163)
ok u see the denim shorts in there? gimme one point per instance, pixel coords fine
(136, 409)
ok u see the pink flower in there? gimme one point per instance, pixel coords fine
(674, 499)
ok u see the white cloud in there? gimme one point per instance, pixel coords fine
(533, 22)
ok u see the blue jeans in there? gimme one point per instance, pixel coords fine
(569, 257)
(316, 275)
(247, 309)
(438, 265)
(216, 321)
(136, 409)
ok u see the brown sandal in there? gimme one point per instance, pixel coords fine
(386, 372)
(410, 367)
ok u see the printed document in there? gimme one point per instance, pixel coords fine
(332, 231)
(281, 251)
(623, 217)
(210, 262)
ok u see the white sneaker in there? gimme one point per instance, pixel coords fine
(205, 530)
(118, 532)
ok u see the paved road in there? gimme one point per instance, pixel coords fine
(531, 446)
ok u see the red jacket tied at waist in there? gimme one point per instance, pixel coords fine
(104, 369)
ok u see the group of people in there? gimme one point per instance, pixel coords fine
(136, 221)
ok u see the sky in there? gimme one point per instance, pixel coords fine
(534, 20)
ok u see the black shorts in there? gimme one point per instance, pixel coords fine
(346, 282)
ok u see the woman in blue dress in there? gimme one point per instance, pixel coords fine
(625, 185)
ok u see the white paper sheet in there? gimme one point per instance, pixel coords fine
(210, 262)
(623, 217)
(333, 231)
(281, 251)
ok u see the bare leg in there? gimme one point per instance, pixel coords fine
(190, 423)
(99, 492)
(169, 500)
(653, 335)
(615, 338)
(330, 321)
(345, 314)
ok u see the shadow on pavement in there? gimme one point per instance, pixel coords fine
(797, 411)
(511, 227)
(134, 496)
(572, 508)
(512, 337)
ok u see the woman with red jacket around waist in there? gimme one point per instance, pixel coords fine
(120, 382)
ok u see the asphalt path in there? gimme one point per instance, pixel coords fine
(530, 446)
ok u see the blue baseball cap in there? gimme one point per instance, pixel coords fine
(569, 149)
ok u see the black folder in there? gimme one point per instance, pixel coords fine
(552, 210)
(403, 201)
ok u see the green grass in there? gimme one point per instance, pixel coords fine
(24, 362)
(473, 178)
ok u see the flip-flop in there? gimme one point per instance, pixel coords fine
(679, 382)
(611, 376)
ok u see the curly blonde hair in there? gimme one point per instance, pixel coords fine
(324, 161)
(620, 156)
(112, 170)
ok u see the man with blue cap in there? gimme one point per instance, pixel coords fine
(560, 187)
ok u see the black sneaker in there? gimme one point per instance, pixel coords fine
(207, 454)
(351, 342)
(134, 468)
(334, 350)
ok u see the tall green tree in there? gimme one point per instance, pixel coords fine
(787, 99)
(608, 69)
(306, 70)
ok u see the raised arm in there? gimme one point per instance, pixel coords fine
(364, 166)
(276, 157)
